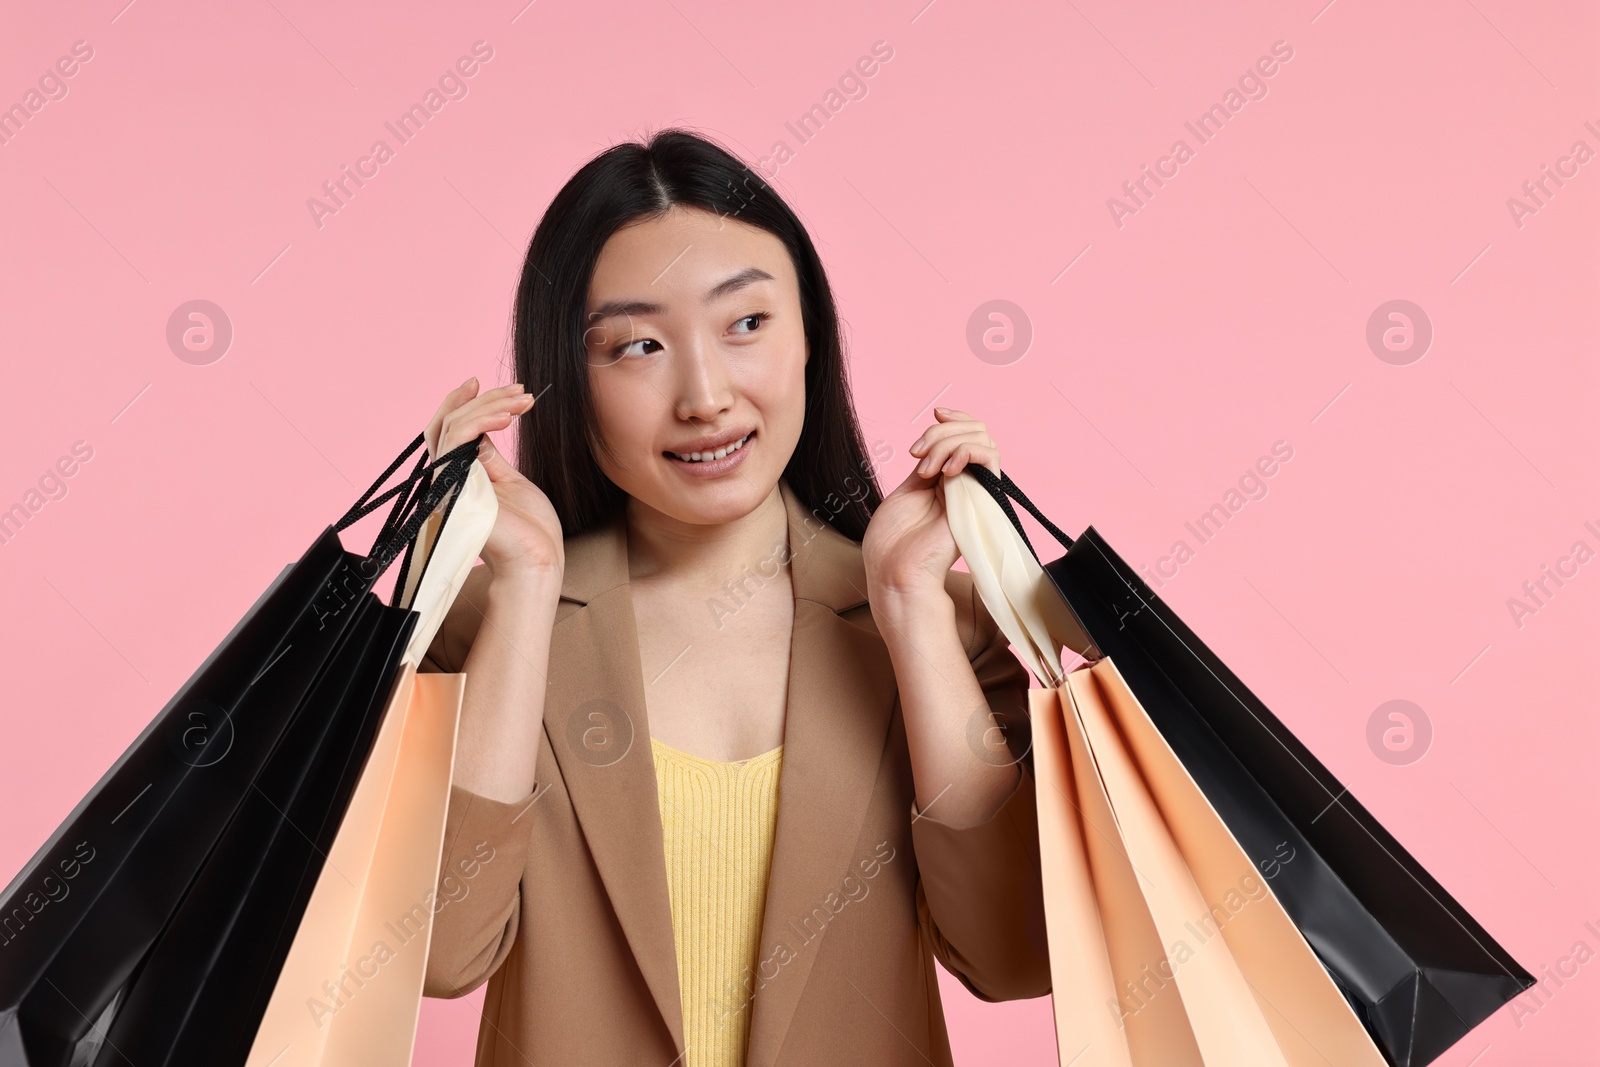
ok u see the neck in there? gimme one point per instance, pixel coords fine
(664, 549)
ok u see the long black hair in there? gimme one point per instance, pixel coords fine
(829, 470)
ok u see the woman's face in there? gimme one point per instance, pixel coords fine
(694, 340)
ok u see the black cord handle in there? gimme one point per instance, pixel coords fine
(1004, 490)
(416, 497)
(367, 504)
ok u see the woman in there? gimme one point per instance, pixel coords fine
(693, 594)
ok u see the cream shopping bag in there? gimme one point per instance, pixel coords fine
(1167, 946)
(350, 989)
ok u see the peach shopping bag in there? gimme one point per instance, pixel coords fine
(350, 989)
(1168, 947)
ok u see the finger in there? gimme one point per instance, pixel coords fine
(468, 390)
(505, 390)
(940, 450)
(452, 400)
(495, 400)
(966, 453)
(496, 413)
(486, 404)
(940, 431)
(459, 431)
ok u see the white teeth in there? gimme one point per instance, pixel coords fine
(701, 457)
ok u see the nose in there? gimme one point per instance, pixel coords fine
(704, 389)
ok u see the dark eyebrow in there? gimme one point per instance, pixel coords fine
(731, 284)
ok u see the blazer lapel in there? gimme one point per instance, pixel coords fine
(596, 725)
(840, 694)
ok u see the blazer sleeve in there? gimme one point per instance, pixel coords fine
(478, 899)
(980, 900)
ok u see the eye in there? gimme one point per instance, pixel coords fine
(622, 348)
(759, 317)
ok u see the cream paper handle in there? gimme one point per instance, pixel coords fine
(445, 569)
(1021, 598)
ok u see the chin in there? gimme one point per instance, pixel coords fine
(713, 503)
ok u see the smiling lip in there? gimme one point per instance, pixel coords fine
(711, 444)
(712, 468)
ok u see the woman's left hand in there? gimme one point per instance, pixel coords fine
(908, 548)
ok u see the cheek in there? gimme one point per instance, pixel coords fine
(778, 384)
(627, 416)
(793, 388)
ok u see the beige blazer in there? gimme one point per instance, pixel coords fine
(560, 899)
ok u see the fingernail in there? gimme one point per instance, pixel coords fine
(942, 411)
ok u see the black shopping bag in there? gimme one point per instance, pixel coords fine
(201, 992)
(1416, 968)
(81, 916)
(220, 950)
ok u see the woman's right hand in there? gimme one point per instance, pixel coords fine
(526, 540)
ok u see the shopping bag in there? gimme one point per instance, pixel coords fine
(351, 986)
(1413, 967)
(194, 987)
(78, 920)
(1206, 967)
(201, 993)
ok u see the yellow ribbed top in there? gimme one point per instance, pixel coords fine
(717, 826)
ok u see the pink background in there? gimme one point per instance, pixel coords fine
(1167, 353)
